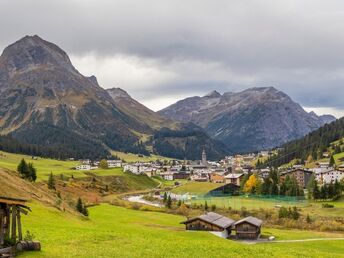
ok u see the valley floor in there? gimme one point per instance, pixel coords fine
(113, 231)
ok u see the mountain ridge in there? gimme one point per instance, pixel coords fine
(251, 120)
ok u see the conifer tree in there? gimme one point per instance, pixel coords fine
(79, 206)
(169, 202)
(332, 162)
(51, 181)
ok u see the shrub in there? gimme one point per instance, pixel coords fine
(327, 205)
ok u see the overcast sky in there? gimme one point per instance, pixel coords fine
(163, 51)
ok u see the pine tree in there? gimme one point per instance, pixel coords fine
(206, 206)
(165, 197)
(316, 192)
(51, 181)
(23, 169)
(32, 172)
(169, 202)
(308, 219)
(79, 206)
(84, 210)
(332, 162)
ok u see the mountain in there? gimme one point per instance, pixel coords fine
(327, 138)
(251, 120)
(45, 101)
(170, 138)
(133, 108)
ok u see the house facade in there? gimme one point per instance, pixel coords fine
(302, 176)
(233, 179)
(248, 228)
(329, 176)
(210, 221)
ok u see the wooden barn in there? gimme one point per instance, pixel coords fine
(10, 223)
(227, 189)
(248, 228)
(210, 221)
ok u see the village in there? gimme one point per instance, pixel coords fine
(230, 171)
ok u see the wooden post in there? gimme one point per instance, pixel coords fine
(20, 235)
(8, 221)
(2, 229)
(14, 224)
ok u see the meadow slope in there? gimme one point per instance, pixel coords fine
(119, 232)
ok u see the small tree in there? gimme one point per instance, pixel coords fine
(169, 202)
(165, 197)
(251, 184)
(84, 210)
(51, 181)
(23, 169)
(79, 206)
(332, 162)
(308, 219)
(103, 164)
(206, 206)
(32, 172)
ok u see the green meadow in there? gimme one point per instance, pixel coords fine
(192, 187)
(46, 166)
(114, 231)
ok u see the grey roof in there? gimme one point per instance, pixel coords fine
(252, 220)
(215, 219)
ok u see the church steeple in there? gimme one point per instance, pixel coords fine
(204, 157)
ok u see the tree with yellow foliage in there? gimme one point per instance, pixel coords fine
(251, 184)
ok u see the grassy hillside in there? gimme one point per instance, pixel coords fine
(118, 232)
(196, 187)
(130, 157)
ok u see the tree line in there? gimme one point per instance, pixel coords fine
(27, 170)
(271, 185)
(312, 145)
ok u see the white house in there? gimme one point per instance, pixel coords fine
(83, 167)
(133, 168)
(114, 163)
(167, 175)
(326, 177)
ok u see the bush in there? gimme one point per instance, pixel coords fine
(29, 236)
(327, 205)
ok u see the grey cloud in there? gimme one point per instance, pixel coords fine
(293, 45)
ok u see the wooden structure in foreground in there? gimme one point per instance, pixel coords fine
(10, 223)
(248, 228)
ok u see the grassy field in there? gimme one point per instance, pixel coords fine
(237, 202)
(118, 232)
(192, 187)
(130, 157)
(46, 166)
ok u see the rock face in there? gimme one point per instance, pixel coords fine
(170, 138)
(44, 100)
(41, 92)
(251, 120)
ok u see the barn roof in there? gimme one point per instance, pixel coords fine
(252, 220)
(215, 219)
(13, 201)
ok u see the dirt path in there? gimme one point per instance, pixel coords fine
(308, 240)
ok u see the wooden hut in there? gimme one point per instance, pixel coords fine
(10, 222)
(210, 221)
(248, 228)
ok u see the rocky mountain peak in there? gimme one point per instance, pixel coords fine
(116, 93)
(32, 52)
(213, 94)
